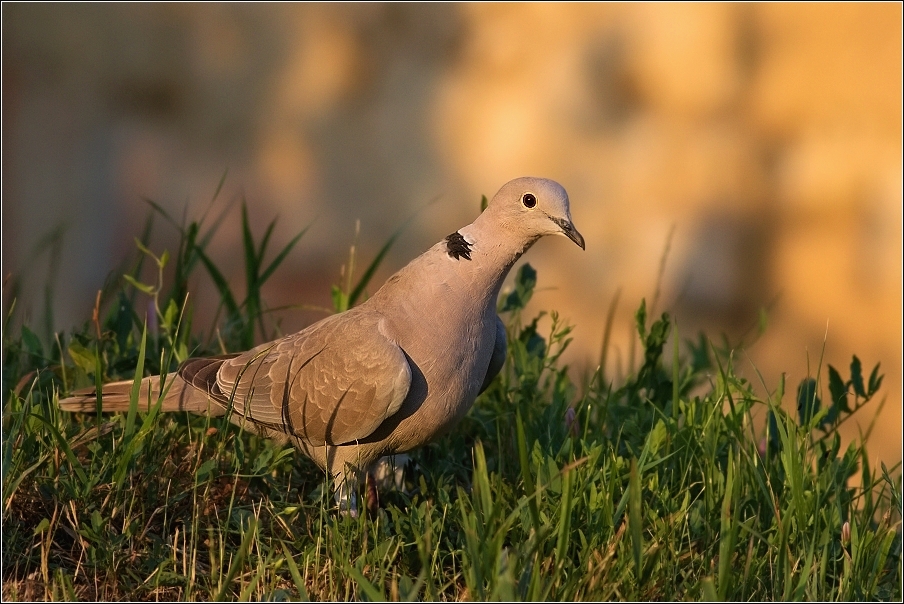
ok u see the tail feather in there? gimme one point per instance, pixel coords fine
(116, 396)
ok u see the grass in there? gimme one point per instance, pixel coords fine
(653, 485)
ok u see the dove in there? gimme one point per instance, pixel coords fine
(384, 377)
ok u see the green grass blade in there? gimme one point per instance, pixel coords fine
(136, 385)
(370, 590)
(259, 573)
(238, 560)
(635, 520)
(709, 590)
(295, 573)
(727, 534)
(482, 480)
(372, 268)
(220, 184)
(676, 366)
(222, 285)
(564, 536)
(530, 489)
(63, 444)
(98, 384)
(248, 247)
(265, 241)
(281, 256)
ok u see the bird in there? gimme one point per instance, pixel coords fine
(387, 376)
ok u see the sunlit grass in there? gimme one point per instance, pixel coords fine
(659, 486)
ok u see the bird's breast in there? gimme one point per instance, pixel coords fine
(449, 360)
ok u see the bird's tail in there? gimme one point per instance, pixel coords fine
(117, 396)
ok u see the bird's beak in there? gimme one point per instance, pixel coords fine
(569, 231)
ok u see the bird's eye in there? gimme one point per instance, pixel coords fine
(529, 200)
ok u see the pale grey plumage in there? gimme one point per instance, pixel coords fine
(389, 375)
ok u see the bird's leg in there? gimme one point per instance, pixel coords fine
(346, 495)
(371, 495)
(389, 471)
(386, 473)
(347, 483)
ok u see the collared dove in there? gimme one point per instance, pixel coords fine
(384, 377)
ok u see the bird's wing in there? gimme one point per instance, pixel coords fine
(500, 347)
(332, 383)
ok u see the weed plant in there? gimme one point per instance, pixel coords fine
(653, 485)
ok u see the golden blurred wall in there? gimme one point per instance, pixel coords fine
(765, 137)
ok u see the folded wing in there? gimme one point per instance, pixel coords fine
(332, 383)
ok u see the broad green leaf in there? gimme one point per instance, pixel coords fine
(640, 319)
(875, 381)
(32, 342)
(857, 377)
(82, 357)
(148, 289)
(525, 282)
(838, 390)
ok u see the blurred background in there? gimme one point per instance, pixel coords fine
(756, 148)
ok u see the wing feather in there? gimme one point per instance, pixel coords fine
(332, 383)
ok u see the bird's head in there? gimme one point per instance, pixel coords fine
(533, 208)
